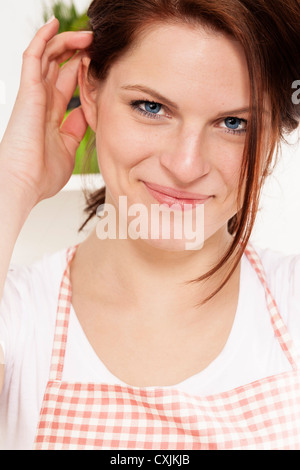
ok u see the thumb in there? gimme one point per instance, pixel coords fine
(73, 130)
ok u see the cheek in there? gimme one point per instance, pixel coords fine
(229, 165)
(121, 141)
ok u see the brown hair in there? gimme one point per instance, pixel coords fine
(269, 31)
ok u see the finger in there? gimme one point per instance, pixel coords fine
(52, 74)
(68, 77)
(56, 63)
(31, 69)
(65, 85)
(73, 130)
(68, 41)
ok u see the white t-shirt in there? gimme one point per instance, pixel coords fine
(27, 321)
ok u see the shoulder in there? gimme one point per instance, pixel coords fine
(31, 291)
(29, 302)
(41, 274)
(282, 270)
(283, 278)
(27, 317)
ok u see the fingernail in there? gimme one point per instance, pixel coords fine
(86, 32)
(50, 19)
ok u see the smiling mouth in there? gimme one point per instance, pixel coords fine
(172, 196)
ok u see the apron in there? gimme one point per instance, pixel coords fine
(262, 415)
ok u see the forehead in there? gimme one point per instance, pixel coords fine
(185, 61)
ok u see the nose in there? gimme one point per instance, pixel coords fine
(187, 155)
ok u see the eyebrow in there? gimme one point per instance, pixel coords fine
(233, 112)
(171, 104)
(152, 92)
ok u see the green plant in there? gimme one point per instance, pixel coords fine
(68, 16)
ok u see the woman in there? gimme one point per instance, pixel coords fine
(170, 347)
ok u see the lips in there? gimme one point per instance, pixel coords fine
(175, 193)
(171, 196)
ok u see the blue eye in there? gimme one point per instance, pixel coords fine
(152, 107)
(233, 123)
(148, 108)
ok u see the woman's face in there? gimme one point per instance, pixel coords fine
(173, 112)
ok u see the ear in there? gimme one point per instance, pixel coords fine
(88, 94)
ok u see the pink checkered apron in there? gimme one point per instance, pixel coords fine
(262, 415)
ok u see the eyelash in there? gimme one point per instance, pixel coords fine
(136, 106)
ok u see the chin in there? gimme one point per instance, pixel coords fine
(173, 245)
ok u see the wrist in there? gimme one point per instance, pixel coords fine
(15, 199)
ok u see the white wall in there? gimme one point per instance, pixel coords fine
(278, 221)
(53, 224)
(19, 21)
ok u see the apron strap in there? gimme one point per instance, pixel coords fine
(62, 320)
(279, 327)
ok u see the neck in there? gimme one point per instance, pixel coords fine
(144, 275)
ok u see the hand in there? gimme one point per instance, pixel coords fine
(37, 152)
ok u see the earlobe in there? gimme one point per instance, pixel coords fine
(88, 94)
